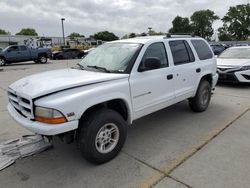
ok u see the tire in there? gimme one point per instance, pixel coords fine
(95, 132)
(42, 59)
(2, 61)
(202, 98)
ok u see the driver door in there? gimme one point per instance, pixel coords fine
(152, 90)
(13, 54)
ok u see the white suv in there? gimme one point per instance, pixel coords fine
(115, 84)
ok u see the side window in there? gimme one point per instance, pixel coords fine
(13, 49)
(23, 48)
(190, 53)
(202, 49)
(157, 50)
(181, 52)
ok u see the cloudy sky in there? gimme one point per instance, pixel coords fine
(90, 16)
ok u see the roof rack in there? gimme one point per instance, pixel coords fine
(179, 35)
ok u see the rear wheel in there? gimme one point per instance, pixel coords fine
(102, 135)
(202, 98)
(2, 61)
(43, 59)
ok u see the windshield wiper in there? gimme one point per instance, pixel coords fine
(81, 66)
(99, 68)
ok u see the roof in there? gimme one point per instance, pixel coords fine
(143, 40)
(248, 47)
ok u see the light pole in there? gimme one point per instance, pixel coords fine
(63, 19)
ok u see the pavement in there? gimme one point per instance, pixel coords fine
(173, 148)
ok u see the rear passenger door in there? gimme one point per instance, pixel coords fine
(185, 69)
(24, 53)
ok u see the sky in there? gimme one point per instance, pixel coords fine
(90, 16)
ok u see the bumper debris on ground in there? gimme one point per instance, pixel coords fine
(14, 149)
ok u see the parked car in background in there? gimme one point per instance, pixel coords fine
(20, 53)
(86, 52)
(70, 53)
(218, 48)
(233, 65)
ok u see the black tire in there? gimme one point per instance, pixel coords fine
(90, 129)
(42, 59)
(202, 98)
(2, 61)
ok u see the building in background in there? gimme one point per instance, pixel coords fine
(45, 42)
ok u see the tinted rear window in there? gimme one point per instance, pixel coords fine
(202, 49)
(181, 52)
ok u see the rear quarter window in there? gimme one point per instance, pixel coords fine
(202, 49)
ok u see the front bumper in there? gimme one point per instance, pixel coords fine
(239, 76)
(42, 128)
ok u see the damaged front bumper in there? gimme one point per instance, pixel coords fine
(42, 128)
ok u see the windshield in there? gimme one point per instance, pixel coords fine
(236, 53)
(113, 57)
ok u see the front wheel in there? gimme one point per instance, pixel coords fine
(102, 135)
(202, 98)
(43, 59)
(2, 61)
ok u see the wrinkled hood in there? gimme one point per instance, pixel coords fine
(48, 82)
(232, 62)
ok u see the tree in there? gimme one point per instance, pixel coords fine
(237, 20)
(27, 31)
(132, 35)
(3, 32)
(180, 25)
(105, 36)
(201, 23)
(152, 32)
(143, 34)
(74, 35)
(224, 35)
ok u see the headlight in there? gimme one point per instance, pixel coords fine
(245, 68)
(48, 115)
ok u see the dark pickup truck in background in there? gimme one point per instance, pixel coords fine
(20, 53)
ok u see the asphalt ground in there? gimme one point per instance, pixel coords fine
(174, 147)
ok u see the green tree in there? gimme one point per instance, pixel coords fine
(143, 34)
(132, 35)
(224, 35)
(74, 35)
(180, 25)
(152, 32)
(105, 36)
(201, 23)
(27, 31)
(3, 32)
(237, 20)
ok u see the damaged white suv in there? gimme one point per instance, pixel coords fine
(115, 84)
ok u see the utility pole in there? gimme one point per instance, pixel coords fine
(63, 19)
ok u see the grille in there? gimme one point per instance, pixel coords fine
(21, 104)
(227, 69)
(228, 78)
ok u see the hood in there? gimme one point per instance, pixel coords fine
(232, 62)
(52, 81)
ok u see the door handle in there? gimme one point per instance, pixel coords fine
(198, 70)
(170, 76)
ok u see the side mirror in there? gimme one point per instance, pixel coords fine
(150, 64)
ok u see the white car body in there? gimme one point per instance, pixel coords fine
(73, 91)
(232, 70)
